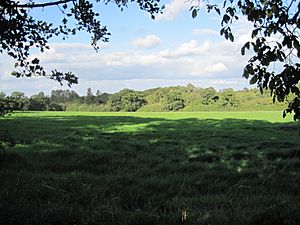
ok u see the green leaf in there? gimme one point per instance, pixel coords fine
(194, 13)
(226, 18)
(246, 73)
(226, 34)
(222, 31)
(271, 84)
(217, 10)
(16, 74)
(253, 79)
(243, 50)
(231, 37)
(35, 61)
(250, 69)
(295, 90)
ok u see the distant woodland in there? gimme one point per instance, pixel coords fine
(177, 98)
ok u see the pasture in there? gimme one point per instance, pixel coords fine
(218, 168)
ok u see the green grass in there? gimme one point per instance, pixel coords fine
(148, 168)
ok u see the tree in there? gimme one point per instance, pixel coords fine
(132, 100)
(126, 100)
(275, 39)
(174, 101)
(101, 98)
(2, 95)
(209, 96)
(20, 32)
(228, 99)
(6, 105)
(39, 102)
(89, 98)
(19, 101)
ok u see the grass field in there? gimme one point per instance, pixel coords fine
(218, 168)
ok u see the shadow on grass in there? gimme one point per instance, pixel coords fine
(133, 170)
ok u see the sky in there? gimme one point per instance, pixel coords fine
(174, 49)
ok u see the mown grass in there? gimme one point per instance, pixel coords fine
(149, 168)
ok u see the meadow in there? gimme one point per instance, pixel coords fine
(218, 168)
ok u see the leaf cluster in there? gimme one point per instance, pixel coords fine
(6, 106)
(275, 41)
(20, 32)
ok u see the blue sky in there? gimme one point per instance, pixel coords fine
(142, 53)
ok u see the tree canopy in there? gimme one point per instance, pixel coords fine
(275, 40)
(161, 99)
(20, 32)
(275, 37)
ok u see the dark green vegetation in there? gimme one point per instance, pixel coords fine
(150, 168)
(179, 98)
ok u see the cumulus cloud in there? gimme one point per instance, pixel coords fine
(191, 59)
(150, 41)
(173, 9)
(204, 63)
(218, 67)
(187, 49)
(204, 32)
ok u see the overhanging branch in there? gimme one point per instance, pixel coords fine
(41, 5)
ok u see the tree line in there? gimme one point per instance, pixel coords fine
(276, 20)
(176, 98)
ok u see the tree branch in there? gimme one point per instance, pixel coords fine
(41, 5)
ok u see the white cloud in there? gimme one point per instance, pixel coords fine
(187, 49)
(150, 41)
(218, 67)
(173, 9)
(189, 60)
(203, 63)
(205, 32)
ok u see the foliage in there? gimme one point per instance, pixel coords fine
(55, 107)
(20, 101)
(174, 101)
(39, 102)
(177, 98)
(63, 96)
(275, 39)
(228, 99)
(294, 106)
(89, 98)
(209, 96)
(101, 98)
(20, 32)
(126, 100)
(6, 106)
